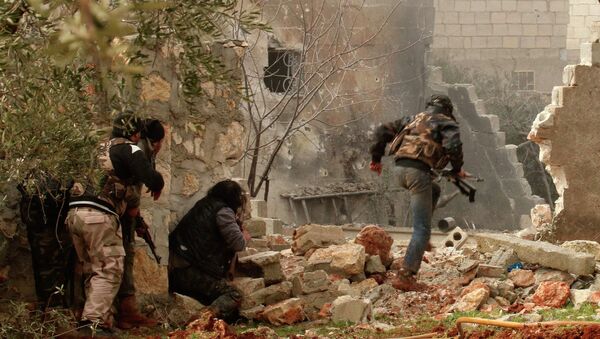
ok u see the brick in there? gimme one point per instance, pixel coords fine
(524, 6)
(590, 53)
(509, 5)
(500, 29)
(466, 18)
(478, 6)
(515, 30)
(494, 6)
(478, 42)
(450, 17)
(456, 42)
(530, 30)
(482, 18)
(494, 42)
(468, 30)
(545, 18)
(498, 18)
(440, 42)
(558, 6)
(560, 30)
(510, 42)
(545, 30)
(467, 42)
(446, 5)
(580, 9)
(484, 30)
(561, 18)
(513, 18)
(557, 42)
(462, 6)
(541, 6)
(453, 30)
(537, 252)
(594, 10)
(529, 18)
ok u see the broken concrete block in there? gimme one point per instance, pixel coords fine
(490, 271)
(262, 265)
(257, 227)
(471, 300)
(268, 295)
(347, 308)
(314, 302)
(259, 244)
(552, 294)
(584, 246)
(248, 285)
(273, 226)
(376, 242)
(456, 238)
(310, 282)
(522, 278)
(590, 53)
(259, 208)
(468, 265)
(536, 252)
(380, 291)
(316, 236)
(292, 266)
(541, 216)
(253, 313)
(286, 312)
(374, 265)
(183, 309)
(546, 274)
(347, 260)
(578, 297)
(504, 257)
(277, 242)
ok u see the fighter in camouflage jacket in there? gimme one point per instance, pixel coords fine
(428, 140)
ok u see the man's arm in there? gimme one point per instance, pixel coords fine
(143, 171)
(230, 230)
(453, 145)
(385, 134)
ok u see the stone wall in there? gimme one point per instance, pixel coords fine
(504, 198)
(505, 36)
(195, 154)
(567, 134)
(582, 14)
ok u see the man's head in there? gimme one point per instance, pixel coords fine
(154, 131)
(442, 103)
(229, 192)
(127, 125)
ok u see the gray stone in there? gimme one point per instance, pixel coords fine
(374, 265)
(310, 282)
(490, 271)
(182, 309)
(268, 295)
(315, 301)
(316, 236)
(504, 257)
(583, 246)
(578, 297)
(542, 253)
(248, 285)
(259, 208)
(253, 313)
(257, 227)
(350, 309)
(378, 292)
(467, 265)
(546, 274)
(265, 264)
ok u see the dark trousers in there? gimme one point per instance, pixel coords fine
(424, 194)
(222, 298)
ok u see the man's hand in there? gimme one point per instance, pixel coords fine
(462, 174)
(376, 167)
(155, 195)
(247, 235)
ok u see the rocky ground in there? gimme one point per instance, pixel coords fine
(318, 284)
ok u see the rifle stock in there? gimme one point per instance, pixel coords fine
(463, 186)
(145, 234)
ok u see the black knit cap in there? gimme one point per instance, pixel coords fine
(126, 124)
(441, 101)
(153, 130)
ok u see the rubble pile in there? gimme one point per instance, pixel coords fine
(333, 188)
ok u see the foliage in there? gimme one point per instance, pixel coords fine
(65, 66)
(23, 322)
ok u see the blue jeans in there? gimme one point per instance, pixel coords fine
(424, 194)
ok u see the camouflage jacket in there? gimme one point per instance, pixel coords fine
(430, 137)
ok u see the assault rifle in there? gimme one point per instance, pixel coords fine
(463, 186)
(143, 230)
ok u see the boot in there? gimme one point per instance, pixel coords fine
(129, 315)
(406, 281)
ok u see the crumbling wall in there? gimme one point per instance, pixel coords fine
(567, 132)
(195, 154)
(504, 198)
(582, 14)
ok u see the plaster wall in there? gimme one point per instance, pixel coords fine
(567, 135)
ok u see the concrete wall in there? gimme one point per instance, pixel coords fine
(380, 90)
(567, 134)
(505, 36)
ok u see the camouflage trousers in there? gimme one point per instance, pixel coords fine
(222, 298)
(97, 239)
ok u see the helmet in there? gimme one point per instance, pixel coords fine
(126, 124)
(441, 101)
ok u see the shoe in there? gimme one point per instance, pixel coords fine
(129, 315)
(405, 281)
(89, 329)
